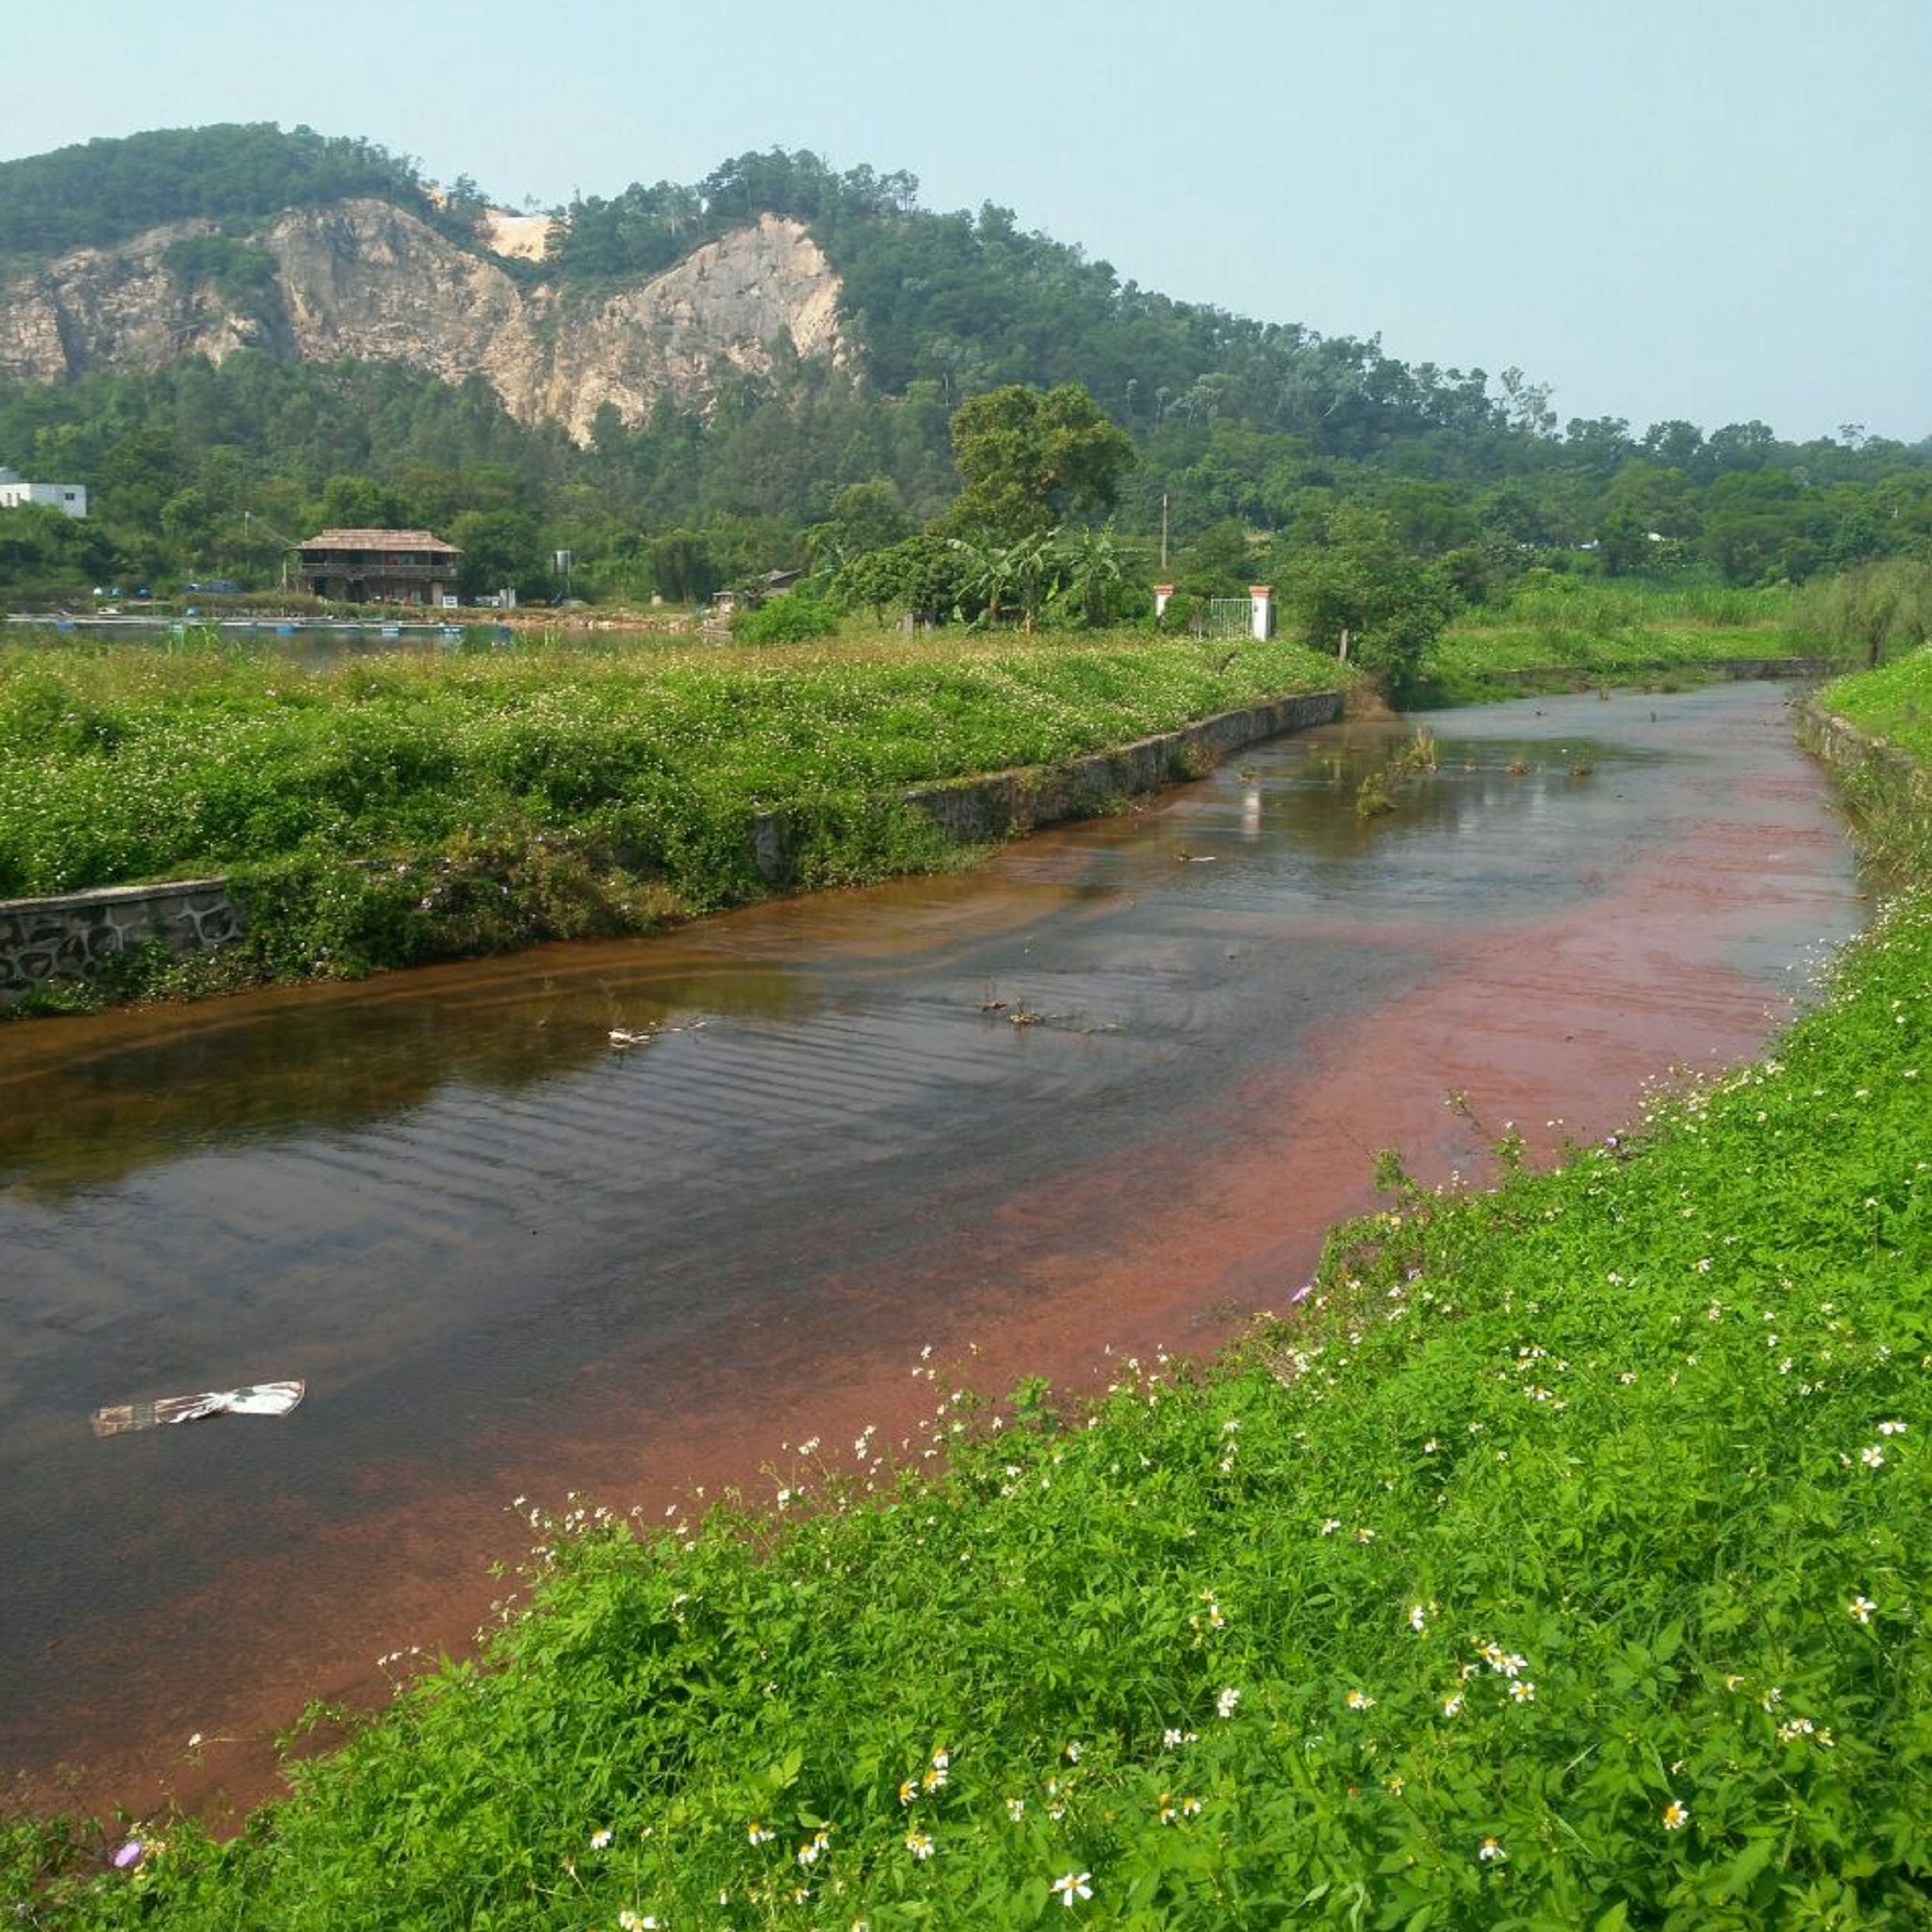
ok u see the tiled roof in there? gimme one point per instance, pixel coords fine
(378, 539)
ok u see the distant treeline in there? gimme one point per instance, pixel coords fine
(1253, 436)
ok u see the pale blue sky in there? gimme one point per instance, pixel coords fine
(1709, 208)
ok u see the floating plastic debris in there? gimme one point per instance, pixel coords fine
(262, 1398)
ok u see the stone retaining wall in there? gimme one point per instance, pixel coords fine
(73, 936)
(1868, 767)
(1002, 805)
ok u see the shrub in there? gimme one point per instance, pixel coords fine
(795, 617)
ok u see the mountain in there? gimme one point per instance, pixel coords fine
(231, 331)
(128, 254)
(365, 280)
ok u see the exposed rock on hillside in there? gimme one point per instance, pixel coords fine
(367, 280)
(520, 236)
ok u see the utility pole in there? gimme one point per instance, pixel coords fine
(249, 520)
(1163, 533)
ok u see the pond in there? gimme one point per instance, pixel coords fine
(626, 1218)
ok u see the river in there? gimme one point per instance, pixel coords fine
(1104, 1092)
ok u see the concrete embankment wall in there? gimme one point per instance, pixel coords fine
(74, 936)
(1740, 669)
(1870, 770)
(1002, 805)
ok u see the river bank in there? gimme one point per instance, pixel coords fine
(1573, 635)
(1169, 1218)
(400, 809)
(388, 811)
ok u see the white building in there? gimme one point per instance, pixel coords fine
(15, 490)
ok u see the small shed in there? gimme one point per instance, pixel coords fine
(374, 566)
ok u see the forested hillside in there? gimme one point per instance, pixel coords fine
(99, 192)
(1268, 442)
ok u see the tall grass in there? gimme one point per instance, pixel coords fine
(1609, 604)
(1575, 631)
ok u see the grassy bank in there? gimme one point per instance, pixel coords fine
(1571, 632)
(1890, 789)
(401, 808)
(1562, 1561)
(1894, 702)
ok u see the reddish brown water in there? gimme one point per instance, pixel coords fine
(509, 1260)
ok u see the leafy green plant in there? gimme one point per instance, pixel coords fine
(792, 619)
(243, 274)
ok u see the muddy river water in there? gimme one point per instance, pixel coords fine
(511, 1257)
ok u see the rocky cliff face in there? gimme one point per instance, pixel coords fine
(367, 279)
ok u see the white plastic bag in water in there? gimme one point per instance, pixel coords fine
(262, 1398)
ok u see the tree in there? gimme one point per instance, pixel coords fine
(1094, 577)
(1602, 443)
(501, 548)
(1361, 582)
(682, 562)
(1219, 562)
(1741, 446)
(986, 571)
(357, 502)
(187, 522)
(44, 549)
(1674, 445)
(864, 516)
(924, 574)
(1760, 525)
(1527, 404)
(1032, 566)
(1031, 459)
(1646, 510)
(1428, 518)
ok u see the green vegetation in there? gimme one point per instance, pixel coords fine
(1891, 790)
(243, 274)
(100, 192)
(1031, 461)
(1874, 612)
(1360, 592)
(1894, 703)
(1564, 632)
(1261, 446)
(401, 808)
(791, 618)
(1561, 1560)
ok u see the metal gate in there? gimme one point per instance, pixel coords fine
(1227, 617)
